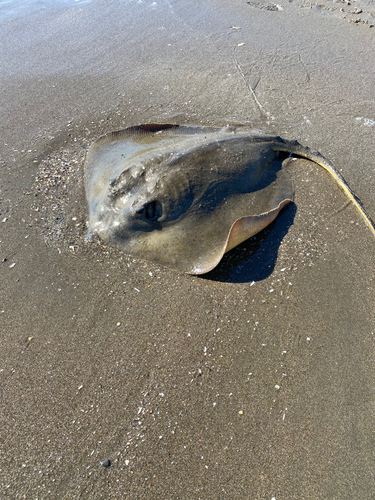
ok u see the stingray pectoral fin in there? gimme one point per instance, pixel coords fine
(246, 227)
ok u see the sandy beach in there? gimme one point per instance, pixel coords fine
(123, 379)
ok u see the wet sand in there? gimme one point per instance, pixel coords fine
(255, 381)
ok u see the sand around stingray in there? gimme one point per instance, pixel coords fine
(182, 196)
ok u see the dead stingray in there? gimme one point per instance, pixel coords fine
(182, 196)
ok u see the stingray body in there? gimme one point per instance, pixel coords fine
(182, 196)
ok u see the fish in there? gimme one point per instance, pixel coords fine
(183, 195)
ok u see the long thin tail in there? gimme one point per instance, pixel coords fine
(295, 148)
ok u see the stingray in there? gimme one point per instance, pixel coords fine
(183, 196)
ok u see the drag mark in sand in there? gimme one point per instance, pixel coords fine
(250, 89)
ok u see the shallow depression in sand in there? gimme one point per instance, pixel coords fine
(59, 209)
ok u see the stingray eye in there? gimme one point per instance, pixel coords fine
(153, 210)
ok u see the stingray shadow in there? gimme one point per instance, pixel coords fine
(254, 259)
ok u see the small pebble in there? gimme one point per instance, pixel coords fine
(105, 463)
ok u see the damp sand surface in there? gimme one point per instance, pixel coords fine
(123, 378)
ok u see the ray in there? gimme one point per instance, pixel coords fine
(183, 196)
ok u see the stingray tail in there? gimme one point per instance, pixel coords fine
(297, 149)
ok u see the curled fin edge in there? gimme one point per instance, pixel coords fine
(243, 229)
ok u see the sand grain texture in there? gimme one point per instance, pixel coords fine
(255, 382)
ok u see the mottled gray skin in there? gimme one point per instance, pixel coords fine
(172, 195)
